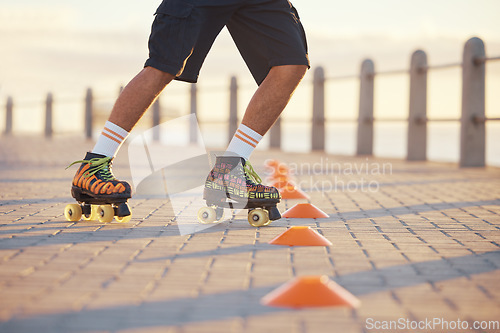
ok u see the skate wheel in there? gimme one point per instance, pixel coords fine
(105, 213)
(123, 219)
(258, 217)
(93, 216)
(73, 212)
(207, 215)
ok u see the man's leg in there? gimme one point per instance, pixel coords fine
(94, 182)
(272, 42)
(130, 106)
(138, 96)
(265, 107)
(244, 186)
(272, 96)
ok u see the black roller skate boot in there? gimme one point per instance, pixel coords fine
(233, 183)
(99, 194)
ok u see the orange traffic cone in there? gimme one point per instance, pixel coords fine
(292, 192)
(300, 236)
(280, 170)
(310, 291)
(282, 178)
(271, 163)
(282, 184)
(305, 211)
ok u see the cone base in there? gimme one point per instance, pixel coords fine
(300, 236)
(310, 291)
(292, 192)
(305, 211)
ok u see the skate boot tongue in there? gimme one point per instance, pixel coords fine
(252, 176)
(229, 161)
(97, 163)
(90, 156)
(247, 171)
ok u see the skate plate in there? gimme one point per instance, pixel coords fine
(259, 214)
(100, 209)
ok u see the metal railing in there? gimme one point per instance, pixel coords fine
(473, 118)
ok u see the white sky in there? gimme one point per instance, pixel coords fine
(67, 45)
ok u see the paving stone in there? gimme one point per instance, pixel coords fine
(425, 244)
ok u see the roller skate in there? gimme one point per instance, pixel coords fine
(99, 194)
(234, 184)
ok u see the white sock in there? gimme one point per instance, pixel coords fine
(244, 142)
(110, 140)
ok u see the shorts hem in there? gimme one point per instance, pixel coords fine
(290, 61)
(170, 69)
(185, 79)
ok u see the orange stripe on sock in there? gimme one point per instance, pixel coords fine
(114, 133)
(111, 137)
(248, 136)
(246, 141)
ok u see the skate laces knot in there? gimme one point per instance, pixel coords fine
(98, 164)
(250, 172)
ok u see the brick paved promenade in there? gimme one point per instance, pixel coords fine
(422, 243)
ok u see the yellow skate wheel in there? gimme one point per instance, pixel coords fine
(124, 219)
(258, 217)
(73, 212)
(105, 213)
(94, 216)
(207, 215)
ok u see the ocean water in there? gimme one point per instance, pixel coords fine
(443, 143)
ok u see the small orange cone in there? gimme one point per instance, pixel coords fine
(292, 192)
(283, 184)
(305, 211)
(310, 291)
(271, 163)
(280, 179)
(280, 170)
(300, 236)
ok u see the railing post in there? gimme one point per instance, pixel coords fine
(48, 115)
(365, 118)
(156, 120)
(318, 116)
(233, 108)
(472, 131)
(193, 128)
(88, 113)
(417, 119)
(8, 115)
(275, 135)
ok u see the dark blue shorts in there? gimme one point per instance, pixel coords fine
(266, 32)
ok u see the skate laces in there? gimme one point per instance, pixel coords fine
(97, 164)
(250, 172)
